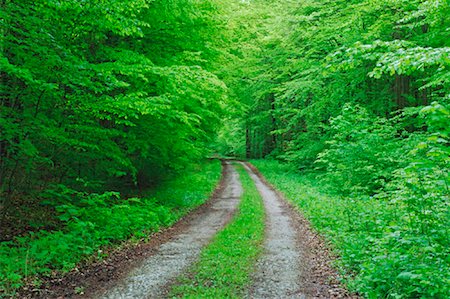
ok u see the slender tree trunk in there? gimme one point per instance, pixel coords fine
(402, 90)
(273, 143)
(248, 145)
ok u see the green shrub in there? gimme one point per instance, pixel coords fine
(362, 152)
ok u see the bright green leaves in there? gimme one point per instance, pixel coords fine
(392, 58)
(93, 88)
(97, 18)
(312, 57)
(409, 61)
(357, 91)
(361, 153)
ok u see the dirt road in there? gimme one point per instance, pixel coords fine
(295, 262)
(277, 272)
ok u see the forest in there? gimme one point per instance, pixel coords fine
(113, 115)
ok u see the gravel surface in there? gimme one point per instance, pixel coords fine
(172, 258)
(310, 256)
(278, 272)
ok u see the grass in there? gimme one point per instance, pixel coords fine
(93, 221)
(226, 264)
(378, 257)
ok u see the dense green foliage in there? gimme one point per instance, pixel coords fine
(96, 98)
(101, 93)
(93, 221)
(226, 264)
(303, 61)
(100, 97)
(299, 63)
(357, 93)
(384, 247)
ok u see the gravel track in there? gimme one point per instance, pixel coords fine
(172, 258)
(278, 271)
(296, 262)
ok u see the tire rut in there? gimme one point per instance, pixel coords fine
(278, 272)
(172, 258)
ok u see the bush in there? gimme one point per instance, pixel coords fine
(362, 152)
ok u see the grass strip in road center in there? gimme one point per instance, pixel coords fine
(225, 265)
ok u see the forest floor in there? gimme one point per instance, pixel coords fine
(295, 262)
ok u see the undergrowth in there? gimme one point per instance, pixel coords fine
(384, 251)
(225, 265)
(93, 221)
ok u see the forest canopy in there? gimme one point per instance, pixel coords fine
(118, 95)
(93, 91)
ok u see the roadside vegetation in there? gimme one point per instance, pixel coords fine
(103, 100)
(89, 222)
(91, 99)
(226, 264)
(383, 246)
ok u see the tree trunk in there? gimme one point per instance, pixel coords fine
(248, 145)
